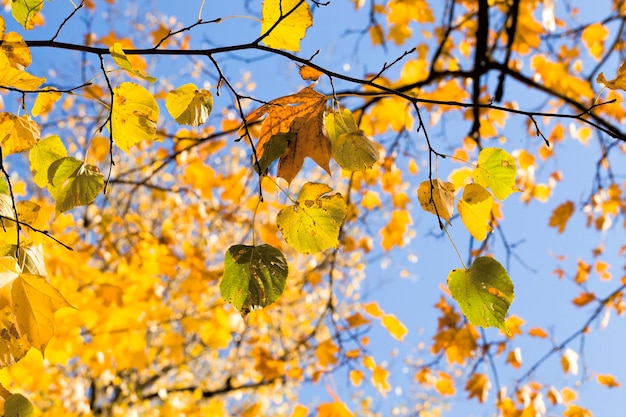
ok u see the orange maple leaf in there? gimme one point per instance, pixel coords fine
(478, 386)
(303, 115)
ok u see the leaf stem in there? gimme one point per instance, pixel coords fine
(445, 229)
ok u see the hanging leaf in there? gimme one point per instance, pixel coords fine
(26, 12)
(309, 73)
(478, 386)
(484, 292)
(15, 77)
(35, 301)
(437, 198)
(17, 133)
(312, 224)
(189, 105)
(254, 276)
(18, 406)
(303, 115)
(45, 100)
(475, 210)
(134, 117)
(15, 49)
(352, 150)
(496, 169)
(42, 155)
(292, 26)
(120, 58)
(73, 183)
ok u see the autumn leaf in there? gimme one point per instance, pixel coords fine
(584, 299)
(484, 292)
(352, 150)
(437, 197)
(475, 210)
(607, 380)
(619, 83)
(134, 115)
(334, 409)
(254, 276)
(569, 361)
(285, 23)
(16, 78)
(17, 133)
(45, 100)
(35, 301)
(394, 326)
(478, 386)
(15, 49)
(120, 58)
(576, 411)
(309, 73)
(312, 224)
(42, 155)
(73, 183)
(303, 115)
(18, 406)
(561, 215)
(273, 149)
(496, 169)
(326, 353)
(26, 12)
(189, 105)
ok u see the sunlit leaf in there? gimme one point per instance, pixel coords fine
(73, 183)
(334, 409)
(312, 224)
(475, 210)
(16, 50)
(608, 380)
(189, 105)
(120, 58)
(496, 169)
(569, 361)
(576, 411)
(292, 26)
(326, 353)
(618, 83)
(18, 406)
(478, 386)
(42, 155)
(303, 115)
(484, 292)
(25, 12)
(254, 276)
(45, 100)
(394, 326)
(309, 73)
(15, 77)
(437, 197)
(35, 301)
(351, 149)
(17, 133)
(135, 115)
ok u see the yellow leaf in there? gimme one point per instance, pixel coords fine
(302, 114)
(35, 302)
(379, 380)
(569, 361)
(444, 384)
(16, 78)
(576, 411)
(373, 309)
(134, 115)
(17, 134)
(460, 177)
(120, 58)
(608, 380)
(561, 215)
(514, 357)
(437, 197)
(619, 83)
(393, 234)
(394, 326)
(537, 332)
(334, 409)
(13, 344)
(293, 18)
(300, 411)
(16, 50)
(356, 377)
(325, 353)
(189, 105)
(593, 37)
(584, 299)
(478, 386)
(475, 210)
(45, 100)
(309, 73)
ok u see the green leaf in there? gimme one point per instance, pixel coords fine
(45, 152)
(73, 183)
(254, 276)
(120, 58)
(312, 224)
(134, 117)
(352, 150)
(496, 169)
(18, 406)
(273, 149)
(4, 186)
(189, 105)
(475, 210)
(26, 11)
(484, 292)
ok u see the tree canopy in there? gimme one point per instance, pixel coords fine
(202, 206)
